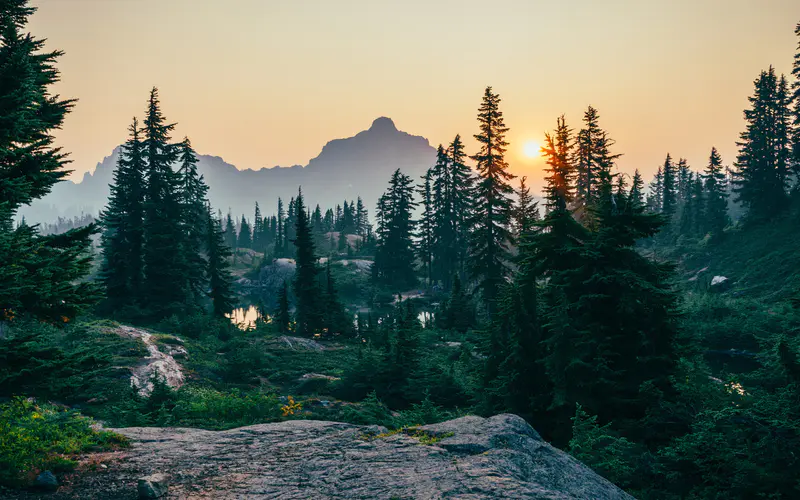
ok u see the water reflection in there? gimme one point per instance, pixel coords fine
(244, 318)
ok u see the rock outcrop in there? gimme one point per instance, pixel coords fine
(466, 458)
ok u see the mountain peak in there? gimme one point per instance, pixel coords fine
(383, 123)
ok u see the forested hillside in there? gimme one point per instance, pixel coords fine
(649, 331)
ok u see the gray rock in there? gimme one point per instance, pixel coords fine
(153, 486)
(466, 458)
(47, 481)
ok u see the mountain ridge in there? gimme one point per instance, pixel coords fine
(370, 156)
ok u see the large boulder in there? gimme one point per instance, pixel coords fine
(467, 458)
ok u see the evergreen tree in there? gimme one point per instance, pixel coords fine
(761, 165)
(592, 157)
(491, 236)
(165, 286)
(258, 230)
(283, 319)
(40, 276)
(426, 226)
(637, 190)
(220, 281)
(525, 212)
(669, 193)
(795, 98)
(245, 235)
(308, 314)
(335, 320)
(716, 196)
(230, 232)
(362, 218)
(462, 207)
(655, 199)
(441, 220)
(684, 180)
(193, 205)
(122, 241)
(394, 253)
(280, 237)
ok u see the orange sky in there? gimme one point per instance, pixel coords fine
(264, 83)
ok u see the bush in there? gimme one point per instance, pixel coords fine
(37, 437)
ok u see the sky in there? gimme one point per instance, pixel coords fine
(263, 83)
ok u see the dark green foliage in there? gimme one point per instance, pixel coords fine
(491, 235)
(192, 192)
(525, 212)
(427, 224)
(335, 320)
(122, 242)
(165, 289)
(245, 235)
(760, 178)
(458, 313)
(592, 158)
(220, 281)
(669, 189)
(283, 319)
(716, 196)
(39, 275)
(308, 315)
(394, 254)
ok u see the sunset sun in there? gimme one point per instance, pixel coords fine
(531, 149)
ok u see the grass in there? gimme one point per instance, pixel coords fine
(37, 437)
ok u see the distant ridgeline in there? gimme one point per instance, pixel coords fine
(345, 168)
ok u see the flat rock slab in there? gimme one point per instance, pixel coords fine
(466, 458)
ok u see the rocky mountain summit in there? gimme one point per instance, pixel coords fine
(467, 458)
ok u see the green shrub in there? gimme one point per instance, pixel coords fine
(212, 409)
(36, 437)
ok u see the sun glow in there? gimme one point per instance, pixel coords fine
(531, 149)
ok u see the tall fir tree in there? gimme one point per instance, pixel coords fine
(280, 237)
(283, 319)
(192, 196)
(220, 280)
(40, 276)
(655, 198)
(230, 232)
(525, 212)
(165, 286)
(258, 230)
(394, 252)
(636, 196)
(462, 205)
(245, 234)
(491, 236)
(426, 227)
(592, 158)
(669, 188)
(761, 166)
(795, 99)
(716, 196)
(122, 241)
(308, 313)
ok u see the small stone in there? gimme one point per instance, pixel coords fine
(153, 486)
(103, 466)
(47, 481)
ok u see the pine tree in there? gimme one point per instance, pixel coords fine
(165, 287)
(716, 196)
(441, 220)
(684, 180)
(283, 319)
(122, 241)
(761, 165)
(426, 226)
(592, 157)
(280, 237)
(655, 198)
(394, 253)
(335, 320)
(258, 230)
(245, 235)
(525, 212)
(491, 236)
(220, 281)
(308, 314)
(362, 218)
(637, 190)
(40, 276)
(230, 232)
(795, 98)
(193, 205)
(669, 193)
(462, 207)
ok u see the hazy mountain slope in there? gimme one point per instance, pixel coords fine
(345, 168)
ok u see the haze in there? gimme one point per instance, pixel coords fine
(265, 83)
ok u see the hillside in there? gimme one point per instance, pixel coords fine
(344, 169)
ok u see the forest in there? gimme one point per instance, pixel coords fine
(649, 329)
